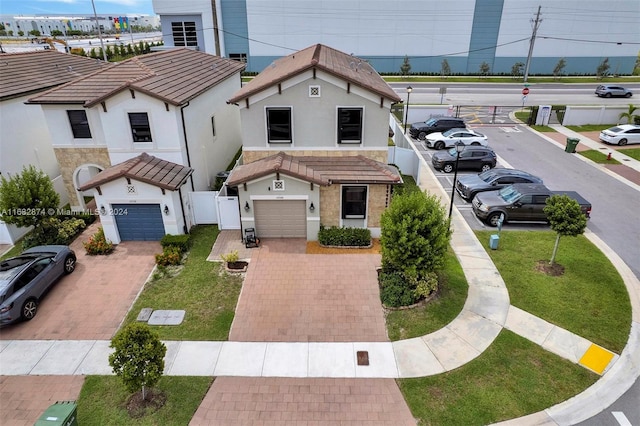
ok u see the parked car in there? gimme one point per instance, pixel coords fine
(441, 140)
(25, 279)
(435, 124)
(472, 157)
(609, 90)
(621, 134)
(492, 180)
(520, 201)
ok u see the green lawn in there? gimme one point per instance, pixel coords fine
(208, 294)
(103, 398)
(590, 127)
(508, 79)
(589, 299)
(598, 157)
(512, 378)
(426, 319)
(631, 152)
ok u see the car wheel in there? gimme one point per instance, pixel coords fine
(485, 167)
(439, 145)
(628, 95)
(447, 168)
(29, 309)
(622, 142)
(493, 219)
(69, 264)
(422, 135)
(607, 95)
(475, 143)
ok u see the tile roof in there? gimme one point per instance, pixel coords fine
(320, 170)
(26, 73)
(144, 168)
(174, 76)
(332, 61)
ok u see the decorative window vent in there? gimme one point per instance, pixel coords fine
(131, 189)
(278, 185)
(314, 91)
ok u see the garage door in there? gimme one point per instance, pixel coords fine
(281, 218)
(143, 222)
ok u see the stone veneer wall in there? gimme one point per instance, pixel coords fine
(251, 156)
(70, 159)
(379, 198)
(378, 201)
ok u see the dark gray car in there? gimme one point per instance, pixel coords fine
(491, 180)
(472, 157)
(25, 279)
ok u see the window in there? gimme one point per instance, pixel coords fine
(213, 126)
(240, 57)
(184, 33)
(279, 125)
(79, 124)
(140, 126)
(354, 202)
(349, 125)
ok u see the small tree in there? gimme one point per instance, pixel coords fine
(405, 67)
(557, 71)
(629, 115)
(445, 69)
(138, 357)
(516, 69)
(603, 68)
(27, 198)
(484, 69)
(565, 217)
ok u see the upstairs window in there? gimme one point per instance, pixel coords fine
(79, 124)
(184, 34)
(279, 125)
(240, 57)
(140, 129)
(354, 202)
(349, 125)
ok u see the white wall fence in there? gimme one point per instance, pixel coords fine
(214, 207)
(578, 115)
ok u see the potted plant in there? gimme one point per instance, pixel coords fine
(232, 262)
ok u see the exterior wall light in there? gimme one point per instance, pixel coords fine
(246, 206)
(166, 209)
(312, 207)
(103, 210)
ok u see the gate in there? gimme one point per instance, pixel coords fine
(228, 212)
(203, 206)
(477, 115)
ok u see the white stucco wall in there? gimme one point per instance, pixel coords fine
(311, 115)
(578, 115)
(193, 7)
(59, 127)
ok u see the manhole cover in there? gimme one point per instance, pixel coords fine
(166, 317)
(363, 357)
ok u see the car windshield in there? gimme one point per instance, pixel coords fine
(430, 122)
(615, 129)
(509, 194)
(487, 176)
(450, 132)
(452, 152)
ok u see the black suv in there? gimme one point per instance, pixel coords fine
(472, 157)
(436, 124)
(468, 186)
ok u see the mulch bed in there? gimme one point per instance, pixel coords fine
(554, 270)
(314, 247)
(138, 407)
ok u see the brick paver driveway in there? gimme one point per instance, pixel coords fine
(290, 297)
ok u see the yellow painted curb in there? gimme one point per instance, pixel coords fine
(596, 358)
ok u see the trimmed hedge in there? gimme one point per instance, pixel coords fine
(353, 237)
(395, 291)
(181, 242)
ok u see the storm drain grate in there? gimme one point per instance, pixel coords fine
(363, 357)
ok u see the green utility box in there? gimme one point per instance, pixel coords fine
(572, 143)
(62, 413)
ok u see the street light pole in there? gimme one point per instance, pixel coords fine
(406, 109)
(95, 15)
(459, 149)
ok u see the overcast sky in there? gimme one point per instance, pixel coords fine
(44, 7)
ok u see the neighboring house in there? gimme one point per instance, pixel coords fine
(170, 105)
(315, 129)
(24, 137)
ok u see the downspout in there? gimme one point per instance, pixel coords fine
(184, 219)
(186, 143)
(216, 33)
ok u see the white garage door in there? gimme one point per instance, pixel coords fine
(280, 218)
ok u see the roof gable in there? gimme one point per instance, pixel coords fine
(174, 76)
(144, 168)
(347, 67)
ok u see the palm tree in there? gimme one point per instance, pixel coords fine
(629, 115)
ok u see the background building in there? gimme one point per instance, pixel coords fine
(465, 32)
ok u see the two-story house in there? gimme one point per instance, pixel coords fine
(24, 137)
(142, 133)
(315, 131)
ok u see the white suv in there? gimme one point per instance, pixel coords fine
(621, 134)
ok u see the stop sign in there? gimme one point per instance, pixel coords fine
(525, 91)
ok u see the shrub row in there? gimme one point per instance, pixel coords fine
(354, 237)
(53, 231)
(182, 242)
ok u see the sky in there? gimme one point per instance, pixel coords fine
(57, 7)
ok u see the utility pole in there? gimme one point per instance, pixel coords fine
(536, 25)
(95, 15)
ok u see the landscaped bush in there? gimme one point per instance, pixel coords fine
(334, 236)
(53, 231)
(98, 244)
(171, 255)
(181, 242)
(395, 290)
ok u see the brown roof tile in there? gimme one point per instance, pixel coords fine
(320, 170)
(174, 76)
(26, 73)
(332, 61)
(144, 168)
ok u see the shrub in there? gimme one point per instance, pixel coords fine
(426, 285)
(230, 257)
(98, 244)
(171, 255)
(395, 290)
(182, 242)
(334, 236)
(52, 230)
